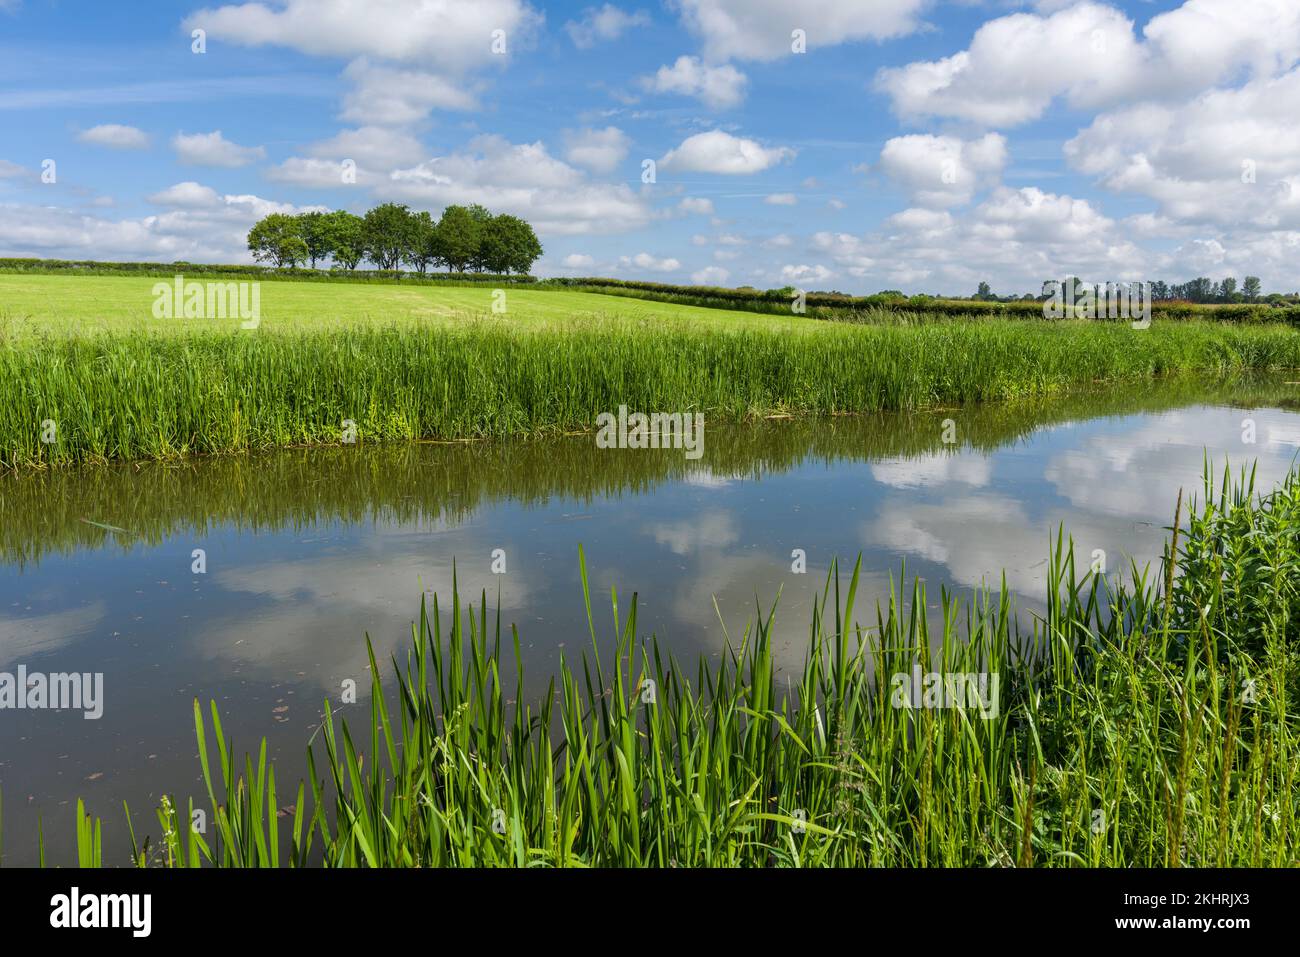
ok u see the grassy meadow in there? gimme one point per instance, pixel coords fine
(85, 356)
(34, 306)
(1149, 726)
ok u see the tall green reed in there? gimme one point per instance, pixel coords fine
(139, 395)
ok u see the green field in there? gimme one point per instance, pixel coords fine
(62, 305)
(87, 373)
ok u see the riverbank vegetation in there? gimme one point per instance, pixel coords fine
(127, 506)
(1152, 725)
(120, 387)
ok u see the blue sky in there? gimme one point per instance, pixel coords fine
(916, 144)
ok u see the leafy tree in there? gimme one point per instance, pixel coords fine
(458, 236)
(346, 238)
(315, 233)
(295, 252)
(494, 245)
(423, 250)
(526, 249)
(1199, 289)
(984, 292)
(1228, 288)
(1250, 288)
(483, 217)
(508, 244)
(391, 235)
(277, 239)
(386, 234)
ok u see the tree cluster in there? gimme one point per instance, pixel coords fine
(1203, 289)
(1200, 290)
(464, 238)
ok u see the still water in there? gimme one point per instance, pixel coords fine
(307, 551)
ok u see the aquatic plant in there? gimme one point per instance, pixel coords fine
(103, 396)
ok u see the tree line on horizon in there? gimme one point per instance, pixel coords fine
(463, 239)
(1199, 290)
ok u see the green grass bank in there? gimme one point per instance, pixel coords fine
(133, 396)
(88, 374)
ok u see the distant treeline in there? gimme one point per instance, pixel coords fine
(1201, 291)
(844, 307)
(464, 239)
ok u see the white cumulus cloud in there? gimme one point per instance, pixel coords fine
(710, 276)
(603, 24)
(598, 150)
(1090, 54)
(719, 152)
(646, 261)
(718, 87)
(761, 29)
(453, 34)
(115, 136)
(523, 179)
(391, 96)
(942, 171)
(213, 149)
(188, 194)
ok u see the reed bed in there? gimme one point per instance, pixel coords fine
(139, 396)
(1149, 725)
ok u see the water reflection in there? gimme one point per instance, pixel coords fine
(309, 550)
